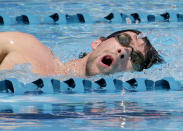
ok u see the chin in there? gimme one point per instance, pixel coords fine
(90, 71)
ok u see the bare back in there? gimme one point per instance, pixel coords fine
(19, 48)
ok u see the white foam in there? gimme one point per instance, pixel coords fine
(20, 72)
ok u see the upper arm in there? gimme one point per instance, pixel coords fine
(10, 60)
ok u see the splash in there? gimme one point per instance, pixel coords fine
(21, 72)
(141, 35)
(144, 34)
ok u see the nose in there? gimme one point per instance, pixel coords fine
(123, 51)
(120, 53)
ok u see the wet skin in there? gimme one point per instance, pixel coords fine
(110, 57)
(107, 56)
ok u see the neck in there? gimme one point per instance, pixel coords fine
(76, 67)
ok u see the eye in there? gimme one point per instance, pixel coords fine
(124, 40)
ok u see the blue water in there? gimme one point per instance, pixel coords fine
(149, 110)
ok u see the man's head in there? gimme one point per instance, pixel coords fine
(121, 51)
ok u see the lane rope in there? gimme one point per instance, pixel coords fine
(114, 17)
(49, 85)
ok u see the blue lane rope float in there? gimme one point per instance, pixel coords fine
(48, 85)
(114, 17)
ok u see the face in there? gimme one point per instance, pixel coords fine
(110, 56)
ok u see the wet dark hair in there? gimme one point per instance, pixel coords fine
(151, 55)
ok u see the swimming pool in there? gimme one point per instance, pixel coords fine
(108, 109)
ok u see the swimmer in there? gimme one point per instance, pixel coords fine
(121, 51)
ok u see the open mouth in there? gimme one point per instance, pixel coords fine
(107, 61)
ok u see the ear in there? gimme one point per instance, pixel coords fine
(96, 43)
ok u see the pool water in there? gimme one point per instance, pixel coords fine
(119, 110)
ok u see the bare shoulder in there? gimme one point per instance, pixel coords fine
(18, 38)
(16, 34)
(19, 41)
